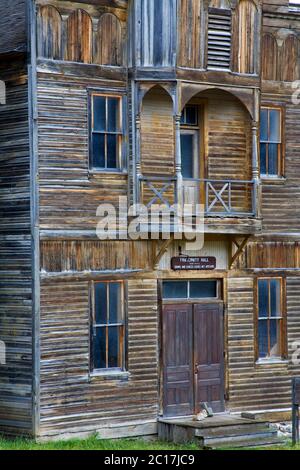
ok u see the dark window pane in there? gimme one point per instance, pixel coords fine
(263, 338)
(275, 298)
(187, 155)
(113, 115)
(203, 289)
(99, 113)
(191, 117)
(115, 303)
(263, 298)
(113, 346)
(98, 151)
(274, 125)
(99, 346)
(175, 290)
(273, 159)
(101, 303)
(264, 125)
(112, 149)
(275, 338)
(263, 159)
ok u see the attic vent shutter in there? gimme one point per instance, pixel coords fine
(219, 39)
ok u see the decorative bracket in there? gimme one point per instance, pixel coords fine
(162, 250)
(240, 248)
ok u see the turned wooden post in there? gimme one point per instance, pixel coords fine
(179, 189)
(138, 169)
(255, 170)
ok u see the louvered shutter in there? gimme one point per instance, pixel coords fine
(219, 39)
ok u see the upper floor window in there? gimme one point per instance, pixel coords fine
(271, 319)
(108, 339)
(271, 154)
(219, 39)
(189, 138)
(106, 132)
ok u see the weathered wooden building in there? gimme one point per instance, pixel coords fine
(159, 101)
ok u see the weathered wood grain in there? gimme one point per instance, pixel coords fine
(79, 45)
(257, 386)
(109, 43)
(49, 32)
(87, 35)
(72, 399)
(15, 254)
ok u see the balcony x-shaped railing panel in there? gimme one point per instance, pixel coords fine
(159, 193)
(218, 197)
(235, 198)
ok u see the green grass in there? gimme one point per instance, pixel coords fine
(92, 444)
(121, 444)
(287, 446)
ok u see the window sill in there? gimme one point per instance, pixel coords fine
(109, 375)
(96, 172)
(272, 362)
(280, 180)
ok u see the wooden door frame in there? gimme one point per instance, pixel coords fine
(160, 335)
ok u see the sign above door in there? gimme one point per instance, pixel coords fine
(193, 263)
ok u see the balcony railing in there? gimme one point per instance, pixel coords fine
(158, 190)
(221, 198)
(232, 198)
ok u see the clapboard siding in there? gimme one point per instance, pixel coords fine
(228, 137)
(64, 156)
(15, 255)
(281, 202)
(73, 401)
(293, 322)
(252, 386)
(157, 134)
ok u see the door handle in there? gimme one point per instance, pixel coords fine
(196, 369)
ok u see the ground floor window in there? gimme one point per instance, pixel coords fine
(271, 331)
(108, 331)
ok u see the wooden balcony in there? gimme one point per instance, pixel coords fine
(230, 206)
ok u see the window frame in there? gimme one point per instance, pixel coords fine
(283, 356)
(124, 325)
(281, 145)
(196, 130)
(121, 163)
(188, 298)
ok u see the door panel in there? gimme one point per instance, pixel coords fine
(178, 360)
(209, 356)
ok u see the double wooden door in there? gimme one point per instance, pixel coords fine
(193, 358)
